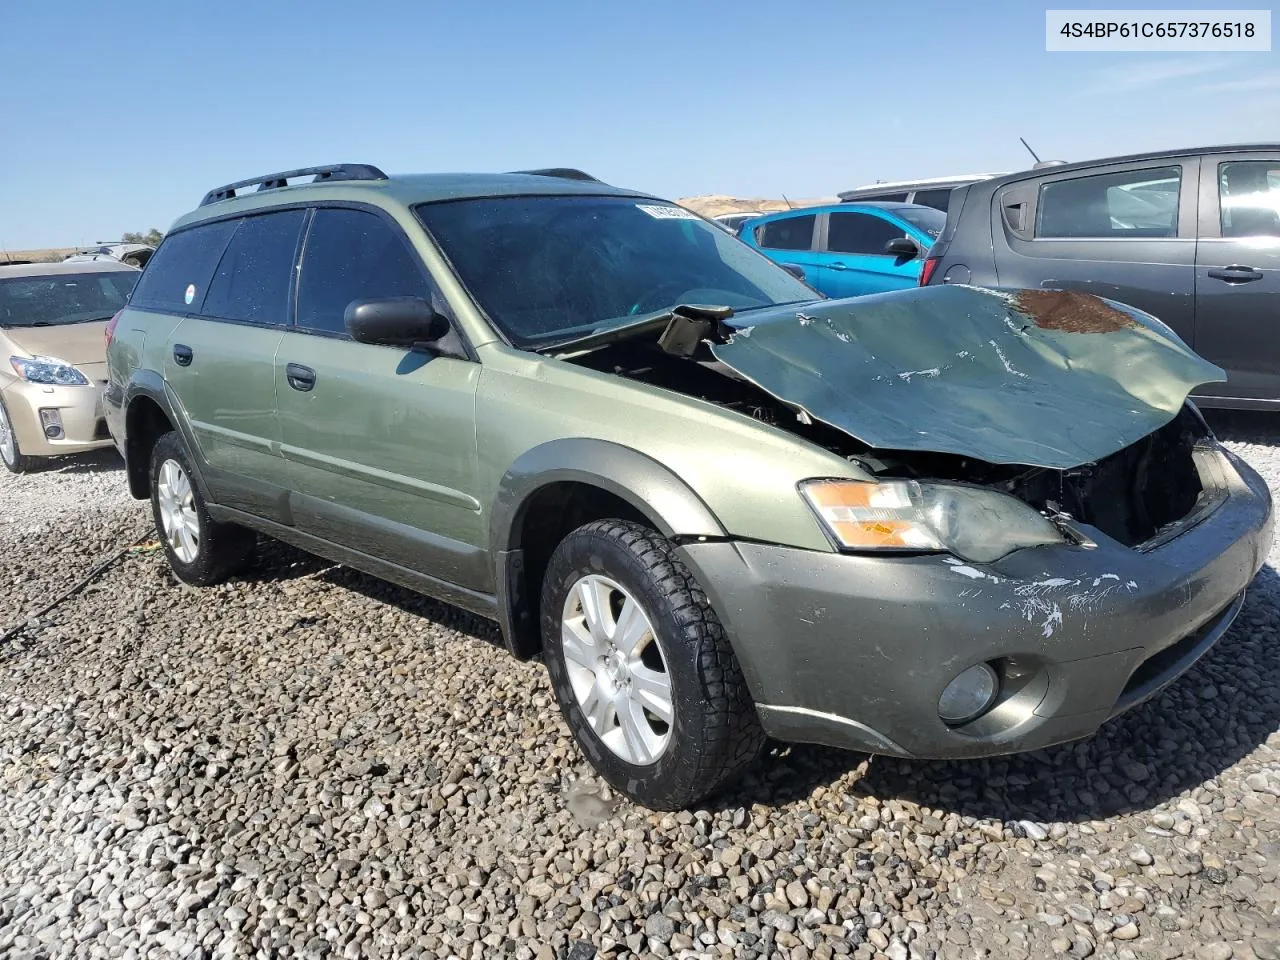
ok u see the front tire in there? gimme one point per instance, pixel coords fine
(201, 552)
(642, 669)
(11, 454)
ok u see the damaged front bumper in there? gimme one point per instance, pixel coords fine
(854, 651)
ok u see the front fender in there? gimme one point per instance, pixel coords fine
(654, 490)
(656, 493)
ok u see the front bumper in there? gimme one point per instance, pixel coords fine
(854, 651)
(79, 410)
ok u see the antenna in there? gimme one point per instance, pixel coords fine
(1029, 150)
(790, 205)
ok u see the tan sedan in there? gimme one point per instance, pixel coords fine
(53, 319)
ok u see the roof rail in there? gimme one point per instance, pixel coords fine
(564, 173)
(273, 181)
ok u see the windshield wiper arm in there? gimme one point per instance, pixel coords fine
(701, 315)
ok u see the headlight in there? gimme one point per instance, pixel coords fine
(903, 515)
(48, 370)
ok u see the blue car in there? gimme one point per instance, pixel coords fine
(849, 249)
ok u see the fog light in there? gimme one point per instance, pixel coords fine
(51, 419)
(969, 695)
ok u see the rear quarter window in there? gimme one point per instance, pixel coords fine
(186, 259)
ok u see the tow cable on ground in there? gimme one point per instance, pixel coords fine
(144, 542)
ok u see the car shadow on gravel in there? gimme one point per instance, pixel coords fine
(1210, 718)
(279, 562)
(106, 460)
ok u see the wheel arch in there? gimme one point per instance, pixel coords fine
(148, 414)
(556, 487)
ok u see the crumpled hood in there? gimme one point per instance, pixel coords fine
(76, 343)
(1038, 377)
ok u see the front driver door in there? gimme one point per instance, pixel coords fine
(380, 441)
(1238, 275)
(854, 261)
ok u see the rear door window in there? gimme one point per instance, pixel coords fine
(1131, 203)
(1249, 198)
(177, 276)
(787, 233)
(860, 233)
(353, 255)
(252, 282)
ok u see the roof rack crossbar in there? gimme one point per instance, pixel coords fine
(273, 181)
(564, 173)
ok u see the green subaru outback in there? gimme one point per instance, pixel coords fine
(944, 522)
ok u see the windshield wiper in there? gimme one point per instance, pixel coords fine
(678, 325)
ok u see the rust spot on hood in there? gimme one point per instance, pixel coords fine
(1071, 311)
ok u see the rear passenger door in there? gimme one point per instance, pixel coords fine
(1124, 231)
(1238, 274)
(792, 240)
(854, 261)
(220, 360)
(380, 441)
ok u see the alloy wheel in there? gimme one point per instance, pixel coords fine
(178, 511)
(616, 669)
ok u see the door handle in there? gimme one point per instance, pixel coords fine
(837, 266)
(183, 355)
(1236, 274)
(300, 377)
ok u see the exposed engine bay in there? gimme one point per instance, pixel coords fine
(1130, 495)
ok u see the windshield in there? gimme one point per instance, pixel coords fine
(549, 268)
(62, 298)
(929, 220)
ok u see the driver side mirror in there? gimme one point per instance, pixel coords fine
(394, 322)
(903, 247)
(794, 270)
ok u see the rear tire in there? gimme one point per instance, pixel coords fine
(642, 669)
(200, 551)
(11, 454)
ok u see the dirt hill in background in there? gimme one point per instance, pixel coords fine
(714, 204)
(37, 256)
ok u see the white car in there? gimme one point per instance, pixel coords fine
(134, 254)
(733, 221)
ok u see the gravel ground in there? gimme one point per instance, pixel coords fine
(308, 762)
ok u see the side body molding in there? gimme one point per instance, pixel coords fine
(650, 487)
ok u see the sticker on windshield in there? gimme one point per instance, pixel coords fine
(190, 294)
(661, 211)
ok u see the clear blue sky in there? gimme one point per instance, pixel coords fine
(120, 115)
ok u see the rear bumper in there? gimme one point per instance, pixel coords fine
(854, 651)
(79, 409)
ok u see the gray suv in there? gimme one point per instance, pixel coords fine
(1191, 236)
